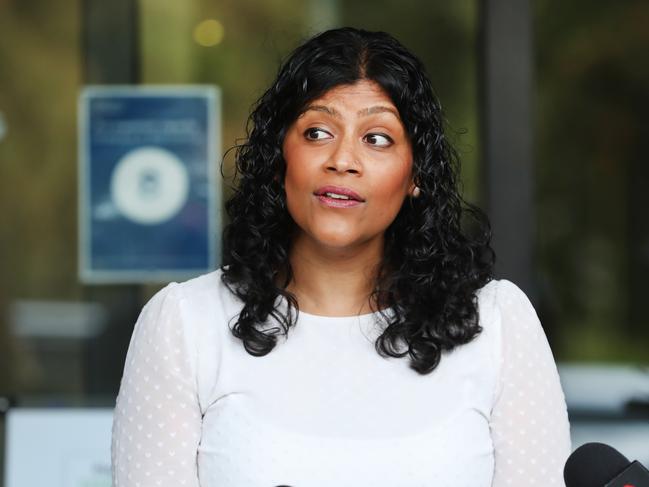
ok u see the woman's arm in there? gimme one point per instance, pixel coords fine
(157, 422)
(529, 422)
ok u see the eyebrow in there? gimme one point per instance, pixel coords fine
(321, 108)
(361, 113)
(377, 109)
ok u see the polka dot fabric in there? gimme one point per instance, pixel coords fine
(324, 409)
(529, 422)
(157, 421)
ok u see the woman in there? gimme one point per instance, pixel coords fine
(354, 335)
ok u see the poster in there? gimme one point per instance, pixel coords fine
(148, 192)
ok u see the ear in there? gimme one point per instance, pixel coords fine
(413, 189)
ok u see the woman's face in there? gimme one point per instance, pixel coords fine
(348, 167)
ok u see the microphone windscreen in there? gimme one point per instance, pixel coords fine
(593, 465)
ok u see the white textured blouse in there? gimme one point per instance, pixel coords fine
(323, 409)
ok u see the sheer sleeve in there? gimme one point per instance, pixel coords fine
(529, 421)
(157, 421)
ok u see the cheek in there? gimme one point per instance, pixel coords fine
(293, 204)
(393, 186)
(295, 183)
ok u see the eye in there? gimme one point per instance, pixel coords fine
(378, 140)
(315, 133)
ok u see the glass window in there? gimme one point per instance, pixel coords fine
(64, 339)
(593, 238)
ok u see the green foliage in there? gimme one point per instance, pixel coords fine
(592, 76)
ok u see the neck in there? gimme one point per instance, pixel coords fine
(334, 282)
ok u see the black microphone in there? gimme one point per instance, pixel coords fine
(600, 465)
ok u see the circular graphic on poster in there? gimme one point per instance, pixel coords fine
(149, 185)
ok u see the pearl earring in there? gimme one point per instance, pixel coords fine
(416, 192)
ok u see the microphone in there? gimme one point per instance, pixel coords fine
(600, 465)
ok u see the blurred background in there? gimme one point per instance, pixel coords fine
(546, 103)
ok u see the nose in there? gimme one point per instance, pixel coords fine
(344, 157)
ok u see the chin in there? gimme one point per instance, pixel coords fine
(340, 240)
(338, 244)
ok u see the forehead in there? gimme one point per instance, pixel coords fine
(362, 94)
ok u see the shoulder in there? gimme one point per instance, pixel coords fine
(505, 312)
(502, 295)
(205, 284)
(512, 319)
(174, 293)
(190, 303)
(206, 290)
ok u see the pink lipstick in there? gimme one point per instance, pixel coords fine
(338, 197)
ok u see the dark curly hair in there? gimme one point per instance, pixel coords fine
(437, 252)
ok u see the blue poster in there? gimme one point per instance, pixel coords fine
(148, 190)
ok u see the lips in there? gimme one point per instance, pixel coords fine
(338, 193)
(337, 197)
